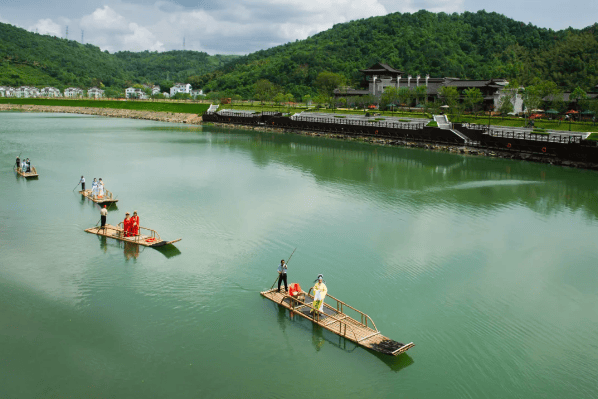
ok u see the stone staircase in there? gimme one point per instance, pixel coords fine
(443, 123)
(213, 108)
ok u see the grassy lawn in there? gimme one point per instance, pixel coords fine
(538, 124)
(155, 106)
(300, 108)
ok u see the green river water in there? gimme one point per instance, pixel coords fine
(489, 266)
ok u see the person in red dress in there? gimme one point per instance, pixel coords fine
(127, 225)
(135, 223)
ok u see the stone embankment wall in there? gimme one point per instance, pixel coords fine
(455, 149)
(193, 119)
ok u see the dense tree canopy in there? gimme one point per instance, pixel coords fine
(477, 45)
(28, 58)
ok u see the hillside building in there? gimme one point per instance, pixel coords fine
(73, 92)
(94, 92)
(132, 92)
(180, 88)
(50, 92)
(26, 92)
(380, 76)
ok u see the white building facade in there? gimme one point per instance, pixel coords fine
(73, 92)
(132, 92)
(180, 88)
(49, 92)
(94, 92)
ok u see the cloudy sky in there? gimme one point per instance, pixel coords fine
(244, 26)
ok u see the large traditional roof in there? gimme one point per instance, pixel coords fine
(380, 69)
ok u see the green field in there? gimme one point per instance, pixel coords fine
(154, 106)
(538, 123)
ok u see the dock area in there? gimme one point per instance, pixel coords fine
(104, 199)
(333, 318)
(151, 239)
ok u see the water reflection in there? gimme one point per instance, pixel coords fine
(320, 337)
(131, 250)
(421, 177)
(170, 251)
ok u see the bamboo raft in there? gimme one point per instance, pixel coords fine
(108, 198)
(33, 172)
(150, 239)
(334, 319)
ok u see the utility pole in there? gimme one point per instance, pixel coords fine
(82, 36)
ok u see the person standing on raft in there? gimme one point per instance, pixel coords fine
(82, 182)
(18, 162)
(282, 275)
(135, 224)
(320, 292)
(103, 214)
(94, 187)
(127, 225)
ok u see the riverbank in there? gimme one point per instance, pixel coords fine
(173, 117)
(455, 149)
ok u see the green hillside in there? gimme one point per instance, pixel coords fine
(28, 58)
(470, 45)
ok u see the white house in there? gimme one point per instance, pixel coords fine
(7, 91)
(95, 92)
(166, 94)
(196, 93)
(73, 92)
(26, 92)
(132, 92)
(49, 92)
(154, 88)
(180, 88)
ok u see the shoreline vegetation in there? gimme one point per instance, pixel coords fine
(196, 119)
(199, 108)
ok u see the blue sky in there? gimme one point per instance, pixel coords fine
(244, 26)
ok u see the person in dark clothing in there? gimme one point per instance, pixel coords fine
(103, 214)
(282, 275)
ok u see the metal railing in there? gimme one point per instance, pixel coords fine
(339, 308)
(137, 237)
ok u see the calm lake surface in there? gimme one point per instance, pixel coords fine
(489, 266)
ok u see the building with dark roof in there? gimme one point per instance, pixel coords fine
(380, 76)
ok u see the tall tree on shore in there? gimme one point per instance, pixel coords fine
(532, 98)
(264, 90)
(327, 82)
(404, 95)
(473, 98)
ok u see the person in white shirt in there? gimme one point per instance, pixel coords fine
(103, 214)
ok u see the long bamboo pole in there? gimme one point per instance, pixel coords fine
(287, 264)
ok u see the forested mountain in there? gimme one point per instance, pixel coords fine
(470, 45)
(31, 59)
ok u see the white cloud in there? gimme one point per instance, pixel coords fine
(47, 27)
(242, 27)
(105, 19)
(141, 38)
